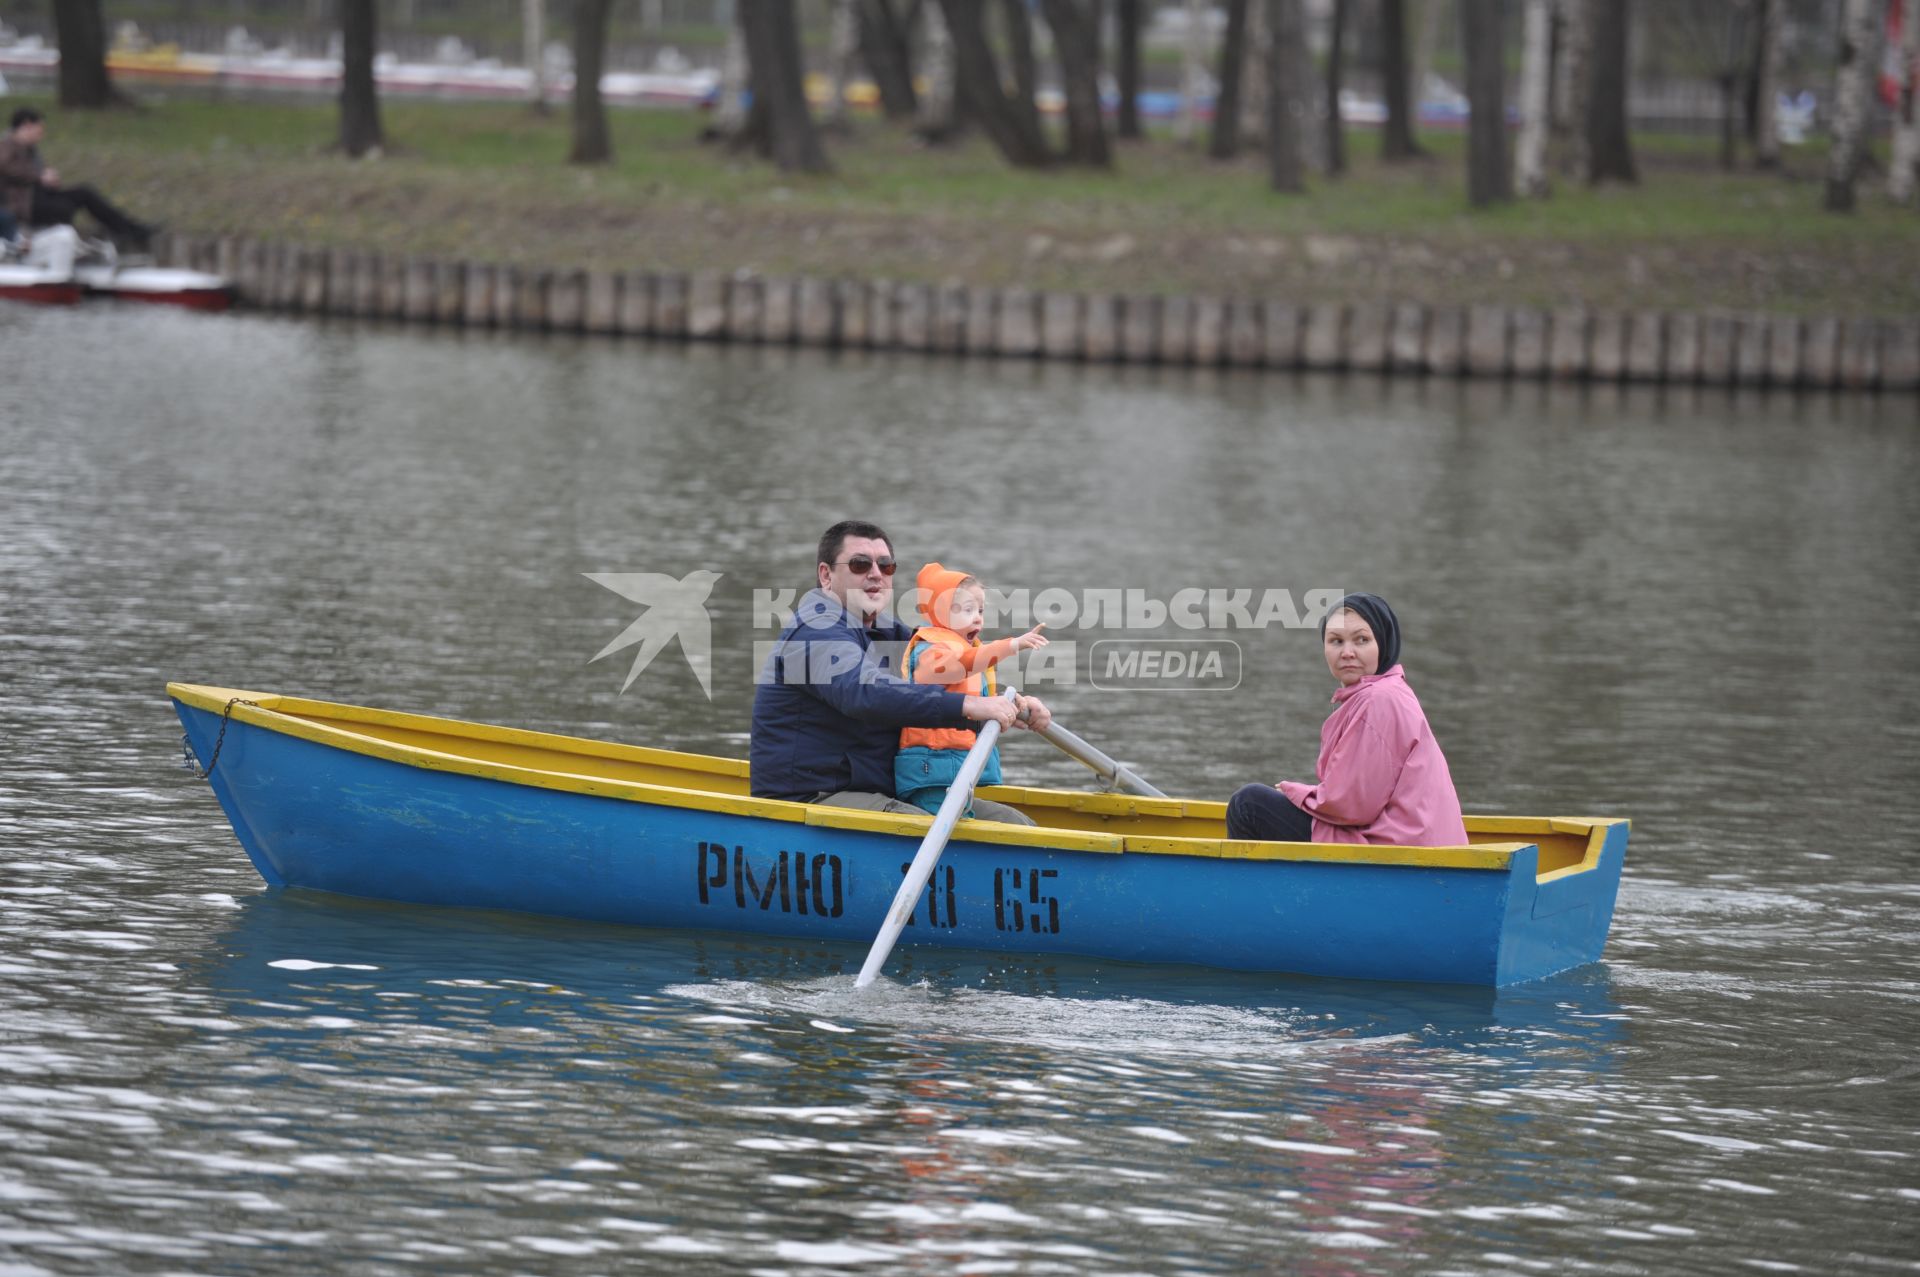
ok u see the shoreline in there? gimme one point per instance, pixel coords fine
(1712, 347)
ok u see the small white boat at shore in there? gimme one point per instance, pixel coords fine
(59, 269)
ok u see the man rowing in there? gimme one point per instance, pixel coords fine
(829, 707)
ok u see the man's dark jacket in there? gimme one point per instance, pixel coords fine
(828, 710)
(20, 169)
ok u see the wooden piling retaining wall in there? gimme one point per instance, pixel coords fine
(1727, 348)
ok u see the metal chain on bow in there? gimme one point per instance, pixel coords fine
(190, 762)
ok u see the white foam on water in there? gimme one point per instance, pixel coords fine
(831, 1253)
(677, 1245)
(564, 1246)
(1737, 1186)
(307, 964)
(1726, 1142)
(1299, 1146)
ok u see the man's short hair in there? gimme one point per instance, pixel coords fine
(837, 536)
(25, 115)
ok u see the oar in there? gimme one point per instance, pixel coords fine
(1117, 775)
(931, 846)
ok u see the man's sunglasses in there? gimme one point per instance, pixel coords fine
(861, 564)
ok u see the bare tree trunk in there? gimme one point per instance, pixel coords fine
(1020, 60)
(1530, 157)
(1076, 43)
(1766, 89)
(1573, 85)
(1336, 57)
(1287, 94)
(592, 144)
(1024, 101)
(1193, 58)
(1014, 127)
(1851, 101)
(82, 35)
(940, 108)
(1225, 141)
(533, 43)
(843, 41)
(360, 131)
(885, 49)
(1255, 81)
(730, 113)
(1396, 139)
(1609, 145)
(1126, 65)
(1901, 173)
(779, 90)
(1480, 33)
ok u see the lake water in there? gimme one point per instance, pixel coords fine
(1696, 610)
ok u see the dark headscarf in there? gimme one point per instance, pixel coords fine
(1372, 609)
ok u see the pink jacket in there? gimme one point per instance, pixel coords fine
(1383, 778)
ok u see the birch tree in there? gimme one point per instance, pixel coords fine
(1852, 99)
(1901, 174)
(940, 104)
(1536, 110)
(843, 42)
(1571, 81)
(730, 112)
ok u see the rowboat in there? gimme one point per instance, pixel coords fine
(434, 811)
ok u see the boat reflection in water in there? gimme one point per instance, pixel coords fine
(294, 954)
(727, 1073)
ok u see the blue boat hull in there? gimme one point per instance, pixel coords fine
(313, 815)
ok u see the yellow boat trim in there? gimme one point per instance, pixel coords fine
(1069, 820)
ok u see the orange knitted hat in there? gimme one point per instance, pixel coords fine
(936, 585)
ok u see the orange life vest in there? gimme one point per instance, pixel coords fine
(979, 683)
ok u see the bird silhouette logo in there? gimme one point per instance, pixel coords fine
(674, 609)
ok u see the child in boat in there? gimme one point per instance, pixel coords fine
(948, 652)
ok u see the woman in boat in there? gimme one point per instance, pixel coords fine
(1383, 778)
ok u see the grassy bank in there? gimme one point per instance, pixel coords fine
(489, 181)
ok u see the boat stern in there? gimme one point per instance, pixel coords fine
(1561, 903)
